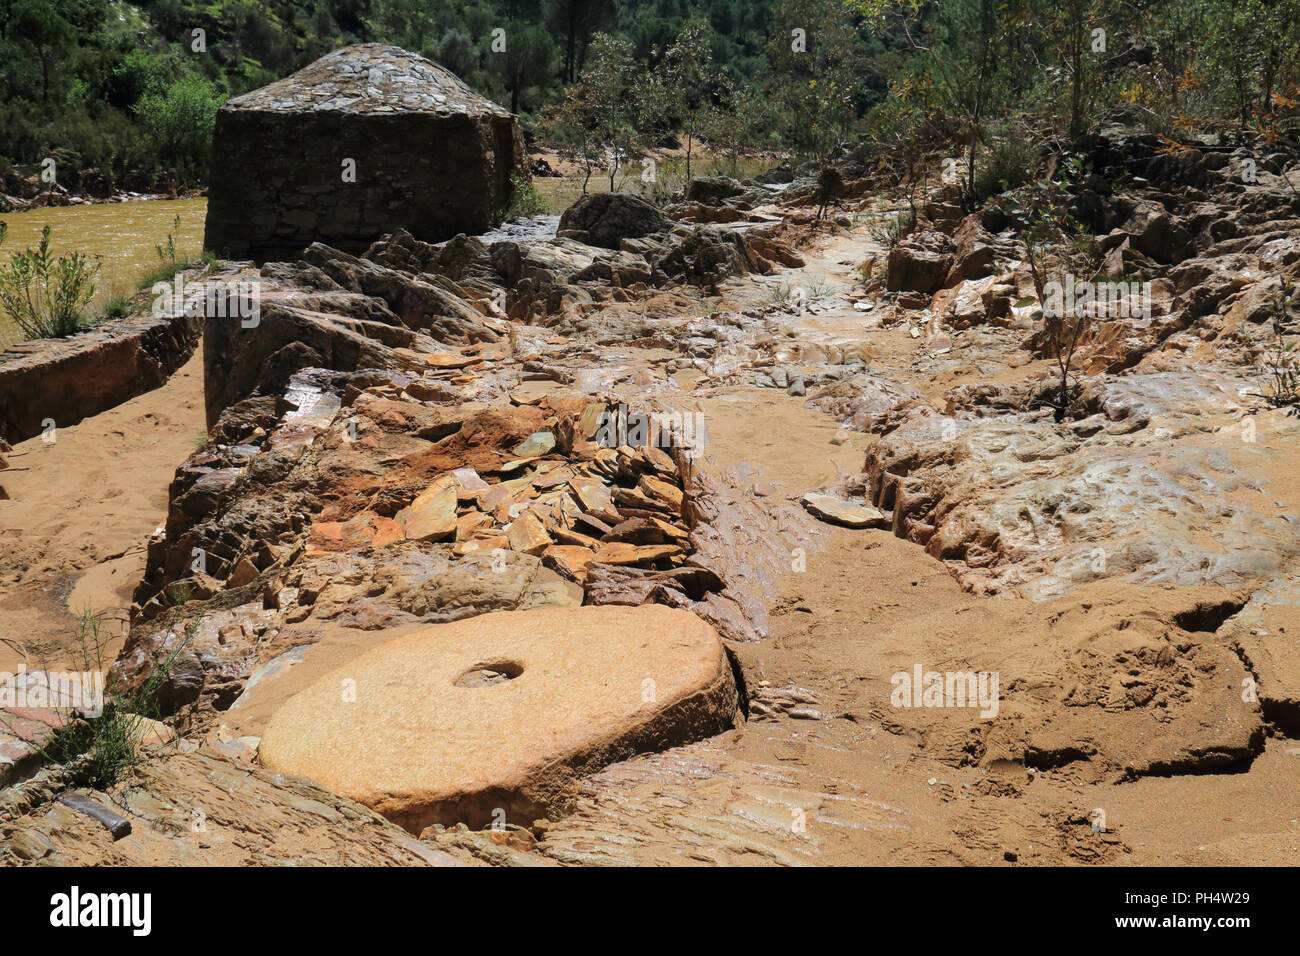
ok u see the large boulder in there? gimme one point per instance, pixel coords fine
(976, 252)
(364, 140)
(502, 712)
(920, 263)
(1155, 233)
(259, 360)
(712, 190)
(704, 255)
(16, 184)
(603, 219)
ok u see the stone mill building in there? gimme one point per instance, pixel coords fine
(362, 141)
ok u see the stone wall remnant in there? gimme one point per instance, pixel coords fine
(365, 140)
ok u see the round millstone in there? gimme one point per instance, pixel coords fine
(504, 711)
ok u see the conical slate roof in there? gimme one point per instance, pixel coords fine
(369, 78)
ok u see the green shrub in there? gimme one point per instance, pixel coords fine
(107, 746)
(669, 180)
(525, 200)
(46, 295)
(167, 251)
(169, 264)
(889, 230)
(116, 306)
(1008, 164)
(136, 75)
(167, 270)
(178, 123)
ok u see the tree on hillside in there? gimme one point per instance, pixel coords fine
(528, 59)
(1251, 42)
(685, 84)
(815, 54)
(598, 125)
(1176, 30)
(574, 21)
(738, 123)
(410, 24)
(458, 53)
(41, 27)
(962, 62)
(180, 121)
(612, 99)
(1073, 24)
(569, 125)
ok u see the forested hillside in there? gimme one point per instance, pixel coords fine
(119, 86)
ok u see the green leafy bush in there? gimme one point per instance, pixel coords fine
(525, 200)
(46, 295)
(179, 122)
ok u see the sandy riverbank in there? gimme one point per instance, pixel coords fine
(73, 534)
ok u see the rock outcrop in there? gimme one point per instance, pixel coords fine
(250, 817)
(920, 263)
(605, 219)
(407, 493)
(364, 140)
(330, 309)
(62, 381)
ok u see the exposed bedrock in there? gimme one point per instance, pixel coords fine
(378, 498)
(1141, 487)
(1118, 690)
(406, 302)
(405, 494)
(1169, 465)
(1170, 471)
(62, 381)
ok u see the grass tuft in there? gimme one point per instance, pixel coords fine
(107, 747)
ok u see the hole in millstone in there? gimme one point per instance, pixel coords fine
(489, 675)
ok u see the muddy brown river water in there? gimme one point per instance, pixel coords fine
(121, 237)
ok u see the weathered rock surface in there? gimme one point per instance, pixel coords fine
(839, 511)
(445, 725)
(201, 806)
(1013, 501)
(712, 190)
(920, 263)
(386, 468)
(359, 500)
(605, 219)
(66, 380)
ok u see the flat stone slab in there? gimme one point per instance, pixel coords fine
(842, 512)
(503, 712)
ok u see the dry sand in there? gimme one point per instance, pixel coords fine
(867, 604)
(81, 509)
